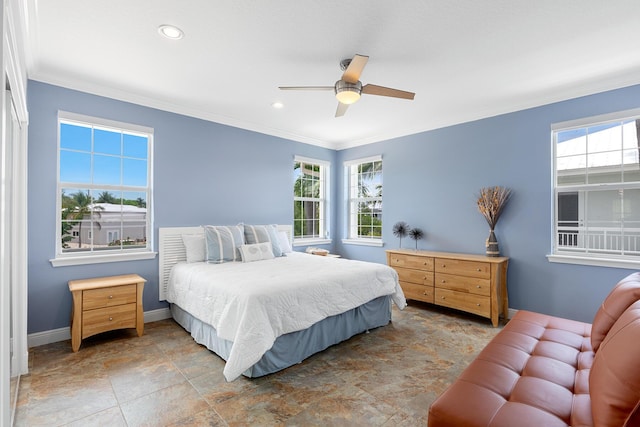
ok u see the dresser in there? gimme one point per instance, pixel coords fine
(104, 304)
(473, 283)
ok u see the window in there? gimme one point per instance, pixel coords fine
(104, 190)
(364, 186)
(310, 207)
(597, 190)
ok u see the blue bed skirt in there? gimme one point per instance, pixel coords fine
(293, 348)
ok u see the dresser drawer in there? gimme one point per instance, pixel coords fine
(417, 292)
(472, 285)
(109, 318)
(463, 267)
(411, 261)
(471, 303)
(415, 276)
(108, 297)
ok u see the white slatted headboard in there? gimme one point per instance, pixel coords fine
(172, 250)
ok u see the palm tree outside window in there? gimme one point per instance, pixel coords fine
(310, 194)
(364, 178)
(104, 189)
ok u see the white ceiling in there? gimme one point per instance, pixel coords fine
(464, 59)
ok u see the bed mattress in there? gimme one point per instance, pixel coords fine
(252, 304)
(294, 347)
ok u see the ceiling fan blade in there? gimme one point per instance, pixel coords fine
(387, 91)
(342, 108)
(353, 71)
(305, 87)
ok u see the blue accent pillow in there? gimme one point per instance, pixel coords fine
(223, 242)
(261, 234)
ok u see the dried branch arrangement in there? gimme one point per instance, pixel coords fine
(491, 203)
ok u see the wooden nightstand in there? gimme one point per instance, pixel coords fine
(105, 303)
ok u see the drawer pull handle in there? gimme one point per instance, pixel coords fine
(110, 319)
(443, 298)
(110, 296)
(478, 304)
(443, 281)
(478, 286)
(479, 269)
(444, 265)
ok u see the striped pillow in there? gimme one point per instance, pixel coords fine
(222, 243)
(261, 234)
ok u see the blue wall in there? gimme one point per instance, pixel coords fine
(206, 173)
(431, 181)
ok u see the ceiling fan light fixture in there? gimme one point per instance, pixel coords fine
(170, 31)
(348, 93)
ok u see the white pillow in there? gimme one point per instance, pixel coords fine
(194, 245)
(285, 245)
(256, 252)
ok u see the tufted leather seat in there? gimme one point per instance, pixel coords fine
(542, 370)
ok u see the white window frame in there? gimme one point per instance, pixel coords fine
(323, 200)
(583, 256)
(350, 173)
(116, 255)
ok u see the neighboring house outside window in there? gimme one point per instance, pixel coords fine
(310, 201)
(104, 191)
(364, 192)
(597, 191)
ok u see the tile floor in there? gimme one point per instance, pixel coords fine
(387, 377)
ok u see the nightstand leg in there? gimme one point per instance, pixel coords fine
(139, 310)
(76, 321)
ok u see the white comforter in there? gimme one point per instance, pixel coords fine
(251, 304)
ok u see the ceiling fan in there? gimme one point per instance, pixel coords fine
(349, 88)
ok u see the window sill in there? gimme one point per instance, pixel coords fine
(307, 242)
(599, 262)
(102, 258)
(363, 242)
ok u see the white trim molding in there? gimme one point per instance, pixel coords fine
(363, 242)
(597, 262)
(309, 242)
(65, 261)
(62, 334)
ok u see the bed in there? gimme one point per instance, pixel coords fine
(264, 316)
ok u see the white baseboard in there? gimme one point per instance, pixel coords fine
(156, 315)
(62, 334)
(512, 312)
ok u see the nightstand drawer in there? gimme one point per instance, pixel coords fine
(476, 304)
(109, 318)
(417, 292)
(463, 267)
(411, 261)
(472, 285)
(415, 276)
(108, 297)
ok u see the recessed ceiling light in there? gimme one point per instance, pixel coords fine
(170, 32)
(277, 105)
